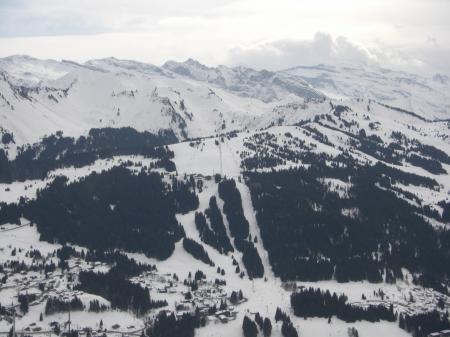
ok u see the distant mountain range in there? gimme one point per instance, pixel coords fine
(318, 196)
(39, 97)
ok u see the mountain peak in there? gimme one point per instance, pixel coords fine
(193, 62)
(113, 64)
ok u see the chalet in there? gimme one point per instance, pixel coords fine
(182, 307)
(223, 318)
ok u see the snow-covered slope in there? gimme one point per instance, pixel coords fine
(105, 93)
(234, 122)
(40, 97)
(427, 97)
(264, 85)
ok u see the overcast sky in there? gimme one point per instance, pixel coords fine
(403, 34)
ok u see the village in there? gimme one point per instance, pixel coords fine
(209, 299)
(27, 285)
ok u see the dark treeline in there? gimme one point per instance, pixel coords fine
(128, 267)
(55, 151)
(249, 327)
(95, 306)
(421, 325)
(24, 301)
(402, 148)
(430, 158)
(432, 152)
(264, 151)
(45, 265)
(239, 227)
(169, 326)
(311, 233)
(316, 303)
(238, 224)
(197, 251)
(135, 212)
(219, 242)
(287, 328)
(122, 294)
(216, 234)
(215, 217)
(55, 305)
(250, 258)
(113, 285)
(183, 194)
(431, 165)
(445, 211)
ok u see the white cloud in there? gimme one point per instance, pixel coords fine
(323, 48)
(259, 33)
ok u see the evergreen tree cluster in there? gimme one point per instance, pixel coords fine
(239, 227)
(238, 224)
(250, 258)
(199, 275)
(135, 212)
(183, 194)
(122, 264)
(7, 137)
(309, 237)
(430, 165)
(411, 150)
(316, 303)
(263, 151)
(287, 328)
(55, 151)
(249, 327)
(265, 325)
(24, 301)
(15, 266)
(56, 305)
(421, 325)
(280, 315)
(445, 211)
(216, 235)
(95, 306)
(122, 293)
(166, 325)
(236, 297)
(66, 252)
(352, 332)
(197, 251)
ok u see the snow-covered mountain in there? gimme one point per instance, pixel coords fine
(39, 97)
(314, 177)
(427, 97)
(264, 85)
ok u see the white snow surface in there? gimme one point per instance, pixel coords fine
(200, 101)
(40, 97)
